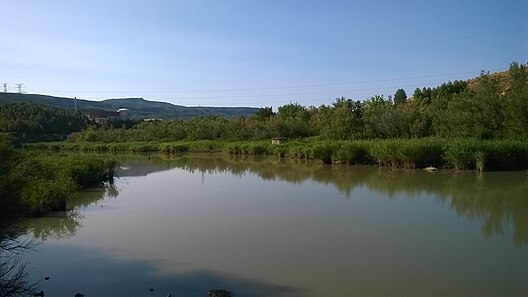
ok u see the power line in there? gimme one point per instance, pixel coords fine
(269, 88)
(287, 96)
(168, 95)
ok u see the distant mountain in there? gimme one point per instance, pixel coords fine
(139, 107)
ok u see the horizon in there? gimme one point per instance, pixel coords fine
(234, 106)
(240, 54)
(122, 98)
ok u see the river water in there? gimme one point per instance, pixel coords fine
(266, 227)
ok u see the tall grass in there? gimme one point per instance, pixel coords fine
(460, 153)
(384, 152)
(407, 153)
(323, 151)
(419, 153)
(353, 152)
(44, 182)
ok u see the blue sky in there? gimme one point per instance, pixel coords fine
(253, 53)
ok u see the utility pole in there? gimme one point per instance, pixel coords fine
(19, 86)
(5, 87)
(75, 102)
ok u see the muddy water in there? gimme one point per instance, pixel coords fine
(268, 227)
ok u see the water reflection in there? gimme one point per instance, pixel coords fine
(14, 280)
(61, 225)
(496, 199)
(17, 239)
(136, 277)
(337, 230)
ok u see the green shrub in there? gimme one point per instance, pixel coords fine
(298, 150)
(459, 153)
(44, 182)
(43, 195)
(322, 151)
(480, 160)
(419, 153)
(384, 152)
(352, 152)
(278, 150)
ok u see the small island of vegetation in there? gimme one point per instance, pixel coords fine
(32, 183)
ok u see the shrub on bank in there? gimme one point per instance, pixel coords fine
(353, 152)
(44, 182)
(323, 151)
(419, 153)
(460, 153)
(172, 147)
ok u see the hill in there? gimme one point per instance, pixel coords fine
(139, 107)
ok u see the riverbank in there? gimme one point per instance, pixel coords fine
(464, 154)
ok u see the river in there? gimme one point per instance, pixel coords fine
(259, 226)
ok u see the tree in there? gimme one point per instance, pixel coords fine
(291, 110)
(516, 102)
(400, 96)
(37, 122)
(264, 113)
(342, 102)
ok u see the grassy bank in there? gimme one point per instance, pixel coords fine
(481, 155)
(114, 147)
(33, 183)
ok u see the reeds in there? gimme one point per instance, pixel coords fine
(460, 154)
(46, 181)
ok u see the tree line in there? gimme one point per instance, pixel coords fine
(492, 106)
(37, 122)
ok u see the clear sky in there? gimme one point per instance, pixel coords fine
(253, 53)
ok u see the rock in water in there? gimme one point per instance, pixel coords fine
(39, 294)
(219, 293)
(78, 295)
(431, 169)
(47, 278)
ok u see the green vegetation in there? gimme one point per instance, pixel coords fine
(36, 182)
(484, 108)
(490, 107)
(35, 122)
(406, 153)
(479, 124)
